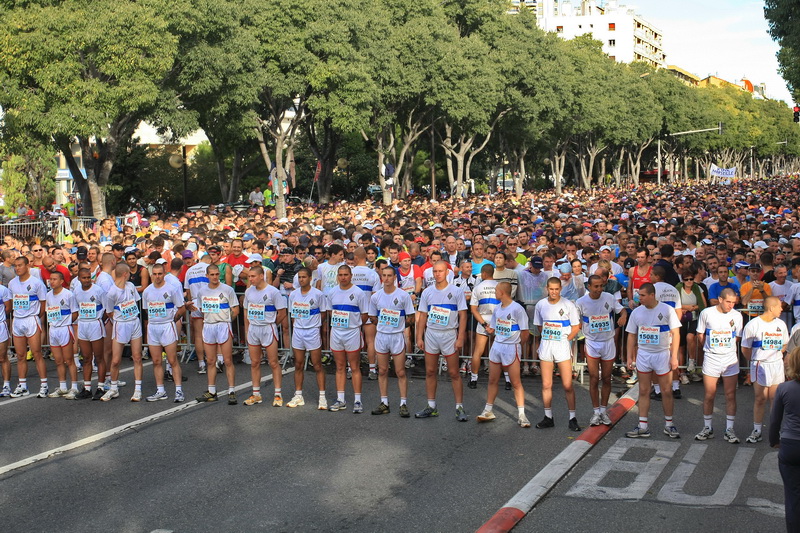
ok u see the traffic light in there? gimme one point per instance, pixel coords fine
(796, 113)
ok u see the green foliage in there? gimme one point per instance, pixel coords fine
(784, 26)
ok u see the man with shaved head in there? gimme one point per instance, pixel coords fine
(122, 309)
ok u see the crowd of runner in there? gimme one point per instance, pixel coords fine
(662, 286)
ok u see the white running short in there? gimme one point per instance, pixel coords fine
(390, 343)
(163, 334)
(504, 354)
(27, 326)
(767, 374)
(439, 342)
(653, 362)
(218, 333)
(61, 336)
(91, 330)
(124, 332)
(345, 340)
(261, 335)
(306, 339)
(555, 351)
(603, 350)
(720, 366)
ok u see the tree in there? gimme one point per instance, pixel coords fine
(75, 76)
(783, 17)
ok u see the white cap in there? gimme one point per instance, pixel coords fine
(237, 270)
(605, 248)
(161, 261)
(186, 236)
(232, 234)
(253, 258)
(760, 244)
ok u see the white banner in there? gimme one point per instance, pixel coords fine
(723, 172)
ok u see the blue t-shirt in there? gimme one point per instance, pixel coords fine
(476, 267)
(716, 288)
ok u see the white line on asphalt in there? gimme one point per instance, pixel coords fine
(32, 395)
(695, 401)
(114, 431)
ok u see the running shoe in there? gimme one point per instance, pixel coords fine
(523, 422)
(754, 437)
(232, 398)
(382, 409)
(684, 379)
(253, 400)
(58, 393)
(508, 385)
(604, 419)
(634, 379)
(246, 359)
(72, 394)
(358, 408)
(137, 396)
(461, 414)
(427, 412)
(690, 366)
(676, 394)
(202, 370)
(656, 396)
(696, 376)
(595, 420)
(404, 412)
(463, 369)
(526, 371)
(110, 395)
(705, 434)
(349, 373)
(220, 366)
(372, 376)
(99, 393)
(472, 384)
(277, 401)
(296, 401)
(486, 416)
(638, 433)
(162, 395)
(671, 432)
(444, 366)
(730, 436)
(322, 405)
(410, 362)
(6, 392)
(338, 406)
(207, 397)
(573, 424)
(179, 397)
(85, 394)
(546, 422)
(43, 392)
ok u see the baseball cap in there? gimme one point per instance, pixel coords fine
(536, 262)
(187, 254)
(81, 252)
(755, 266)
(117, 247)
(253, 258)
(161, 261)
(287, 250)
(215, 248)
(742, 264)
(629, 263)
(605, 248)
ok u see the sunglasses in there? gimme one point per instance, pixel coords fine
(688, 279)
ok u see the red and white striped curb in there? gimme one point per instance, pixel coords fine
(537, 488)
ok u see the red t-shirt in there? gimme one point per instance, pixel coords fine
(46, 275)
(232, 260)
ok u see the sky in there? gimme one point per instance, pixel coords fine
(725, 38)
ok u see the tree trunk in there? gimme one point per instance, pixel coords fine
(521, 176)
(325, 151)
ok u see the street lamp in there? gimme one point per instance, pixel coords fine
(178, 161)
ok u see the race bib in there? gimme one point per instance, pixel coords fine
(340, 319)
(256, 312)
(87, 310)
(128, 310)
(438, 316)
(503, 327)
(720, 339)
(157, 309)
(22, 302)
(210, 304)
(755, 306)
(649, 336)
(771, 341)
(599, 323)
(389, 317)
(552, 331)
(53, 313)
(301, 310)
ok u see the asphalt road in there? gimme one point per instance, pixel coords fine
(214, 467)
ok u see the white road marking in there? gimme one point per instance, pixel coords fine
(768, 473)
(695, 401)
(645, 473)
(673, 490)
(3, 403)
(115, 431)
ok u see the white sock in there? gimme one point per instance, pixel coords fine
(340, 396)
(658, 389)
(403, 401)
(357, 397)
(676, 385)
(385, 400)
(160, 388)
(508, 379)
(707, 421)
(62, 385)
(432, 404)
(571, 415)
(488, 407)
(757, 427)
(729, 420)
(212, 389)
(520, 411)
(137, 385)
(473, 376)
(668, 421)
(603, 409)
(642, 422)
(548, 412)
